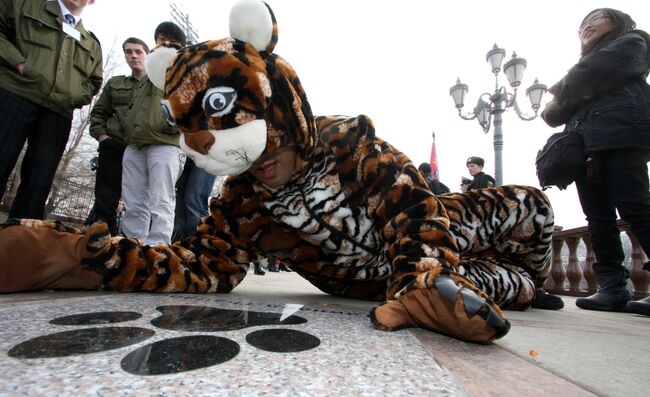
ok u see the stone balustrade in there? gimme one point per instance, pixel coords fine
(577, 278)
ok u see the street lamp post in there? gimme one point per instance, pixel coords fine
(498, 102)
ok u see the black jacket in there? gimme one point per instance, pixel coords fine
(481, 181)
(606, 96)
(436, 186)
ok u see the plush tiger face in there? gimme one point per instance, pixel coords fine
(233, 99)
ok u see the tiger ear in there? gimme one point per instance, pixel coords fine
(253, 22)
(157, 63)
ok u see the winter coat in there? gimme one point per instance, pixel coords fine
(606, 96)
(61, 73)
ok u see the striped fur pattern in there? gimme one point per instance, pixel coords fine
(373, 243)
(504, 237)
(356, 219)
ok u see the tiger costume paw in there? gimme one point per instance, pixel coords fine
(98, 248)
(451, 305)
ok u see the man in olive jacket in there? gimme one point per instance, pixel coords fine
(151, 162)
(49, 66)
(106, 119)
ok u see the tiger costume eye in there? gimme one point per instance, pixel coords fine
(167, 112)
(218, 101)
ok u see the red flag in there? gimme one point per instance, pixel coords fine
(434, 158)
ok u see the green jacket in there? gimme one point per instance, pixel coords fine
(109, 111)
(144, 123)
(61, 73)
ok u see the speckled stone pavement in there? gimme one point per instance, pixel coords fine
(331, 349)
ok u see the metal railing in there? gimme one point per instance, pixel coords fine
(69, 203)
(576, 277)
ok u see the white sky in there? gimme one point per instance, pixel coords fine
(396, 60)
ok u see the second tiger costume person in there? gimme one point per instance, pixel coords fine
(354, 218)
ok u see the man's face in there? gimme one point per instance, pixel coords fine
(275, 169)
(474, 168)
(135, 56)
(76, 6)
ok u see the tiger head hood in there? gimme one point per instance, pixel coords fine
(233, 99)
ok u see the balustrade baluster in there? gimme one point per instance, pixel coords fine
(557, 268)
(639, 277)
(588, 269)
(573, 271)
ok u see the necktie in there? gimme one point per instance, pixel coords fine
(69, 19)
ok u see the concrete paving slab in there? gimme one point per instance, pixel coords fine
(578, 351)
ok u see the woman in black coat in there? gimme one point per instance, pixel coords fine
(606, 97)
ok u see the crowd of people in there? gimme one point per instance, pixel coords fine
(140, 163)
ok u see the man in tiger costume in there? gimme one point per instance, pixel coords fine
(341, 207)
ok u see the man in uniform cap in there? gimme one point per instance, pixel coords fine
(464, 183)
(481, 179)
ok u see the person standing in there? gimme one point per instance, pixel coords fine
(435, 185)
(464, 183)
(481, 179)
(151, 163)
(192, 193)
(106, 120)
(606, 97)
(50, 66)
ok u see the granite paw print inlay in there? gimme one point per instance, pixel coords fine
(171, 355)
(110, 344)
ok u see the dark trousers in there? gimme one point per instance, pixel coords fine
(193, 190)
(108, 183)
(624, 187)
(46, 134)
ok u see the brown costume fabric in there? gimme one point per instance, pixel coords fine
(427, 309)
(53, 260)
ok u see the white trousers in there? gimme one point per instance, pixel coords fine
(148, 191)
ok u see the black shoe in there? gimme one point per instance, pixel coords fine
(258, 269)
(606, 300)
(639, 307)
(545, 301)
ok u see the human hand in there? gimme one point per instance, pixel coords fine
(102, 138)
(21, 68)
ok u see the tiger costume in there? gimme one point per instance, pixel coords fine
(356, 218)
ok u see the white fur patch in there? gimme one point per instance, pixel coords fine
(233, 151)
(264, 84)
(157, 63)
(250, 21)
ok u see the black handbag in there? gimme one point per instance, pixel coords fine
(562, 160)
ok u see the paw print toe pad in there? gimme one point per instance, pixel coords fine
(282, 340)
(80, 341)
(180, 354)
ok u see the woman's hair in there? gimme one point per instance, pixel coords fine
(623, 23)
